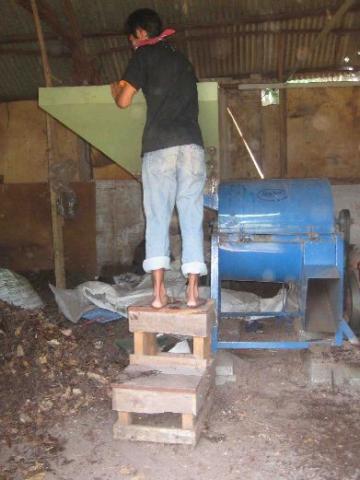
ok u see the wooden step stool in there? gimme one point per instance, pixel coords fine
(162, 383)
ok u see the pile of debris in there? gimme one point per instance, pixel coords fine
(50, 371)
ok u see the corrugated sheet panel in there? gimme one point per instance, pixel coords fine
(212, 33)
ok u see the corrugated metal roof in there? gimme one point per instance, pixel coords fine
(223, 39)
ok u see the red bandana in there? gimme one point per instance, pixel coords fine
(153, 40)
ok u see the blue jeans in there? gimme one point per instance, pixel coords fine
(174, 176)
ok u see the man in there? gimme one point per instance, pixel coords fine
(173, 169)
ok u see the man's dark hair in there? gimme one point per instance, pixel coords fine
(146, 19)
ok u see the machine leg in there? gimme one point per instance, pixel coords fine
(345, 332)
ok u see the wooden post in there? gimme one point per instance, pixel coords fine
(283, 132)
(224, 170)
(281, 45)
(145, 343)
(187, 421)
(201, 347)
(125, 418)
(57, 220)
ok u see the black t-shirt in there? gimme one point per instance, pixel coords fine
(168, 82)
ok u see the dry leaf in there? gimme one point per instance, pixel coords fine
(67, 332)
(19, 351)
(97, 377)
(42, 360)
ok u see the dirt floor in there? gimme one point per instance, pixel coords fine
(57, 419)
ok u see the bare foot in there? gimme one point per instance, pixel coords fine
(196, 302)
(192, 292)
(160, 298)
(160, 302)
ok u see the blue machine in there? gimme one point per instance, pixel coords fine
(281, 231)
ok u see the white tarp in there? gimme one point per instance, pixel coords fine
(117, 298)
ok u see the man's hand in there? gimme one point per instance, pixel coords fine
(122, 92)
(115, 89)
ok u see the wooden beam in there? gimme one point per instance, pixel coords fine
(57, 220)
(287, 86)
(283, 132)
(184, 33)
(34, 52)
(235, 78)
(83, 68)
(176, 40)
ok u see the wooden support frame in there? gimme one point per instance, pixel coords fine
(145, 343)
(202, 347)
(83, 68)
(187, 421)
(125, 418)
(283, 132)
(188, 434)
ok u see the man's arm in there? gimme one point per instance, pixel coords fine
(123, 93)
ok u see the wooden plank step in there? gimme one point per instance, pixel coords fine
(189, 434)
(176, 319)
(168, 389)
(166, 359)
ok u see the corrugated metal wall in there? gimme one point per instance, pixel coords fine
(223, 39)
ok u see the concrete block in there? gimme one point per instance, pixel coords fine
(321, 373)
(223, 379)
(224, 368)
(347, 374)
(224, 365)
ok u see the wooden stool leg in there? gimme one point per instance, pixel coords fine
(125, 418)
(145, 343)
(201, 347)
(187, 421)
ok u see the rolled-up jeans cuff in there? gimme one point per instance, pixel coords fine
(194, 267)
(155, 263)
